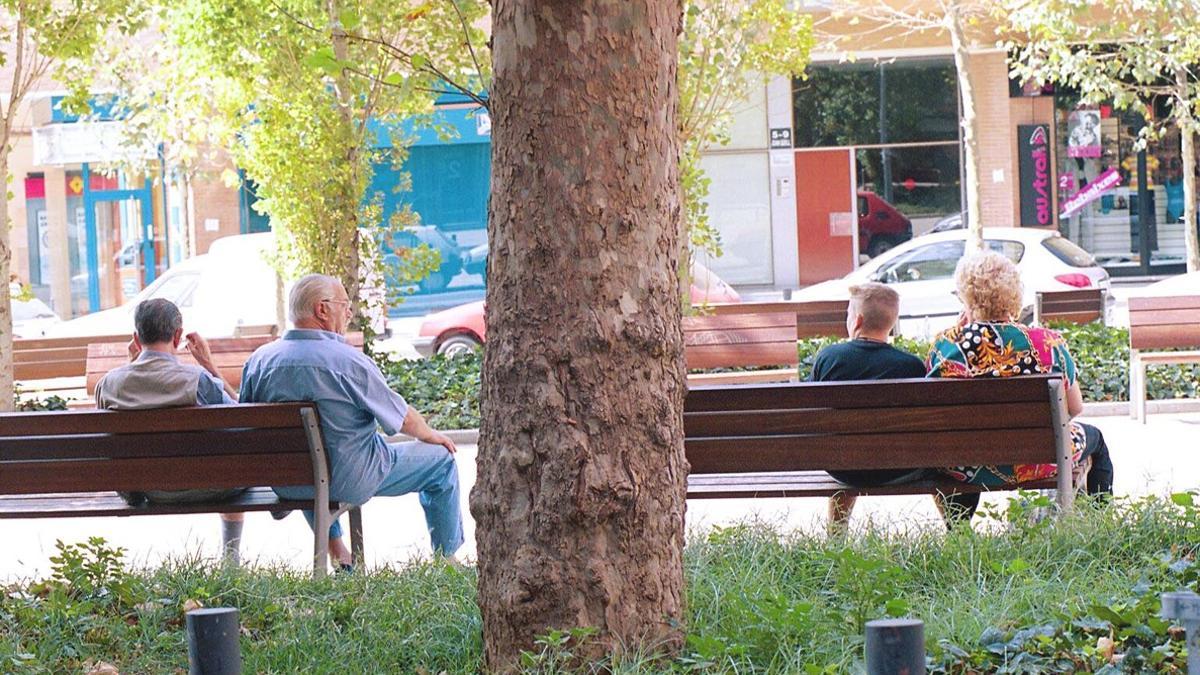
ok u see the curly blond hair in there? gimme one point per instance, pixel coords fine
(989, 285)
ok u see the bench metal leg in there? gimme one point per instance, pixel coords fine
(356, 537)
(322, 521)
(1137, 385)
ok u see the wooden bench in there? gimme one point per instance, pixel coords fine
(1078, 307)
(244, 330)
(230, 355)
(777, 440)
(752, 335)
(1158, 324)
(70, 464)
(50, 358)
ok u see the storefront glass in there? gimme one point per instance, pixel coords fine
(1097, 166)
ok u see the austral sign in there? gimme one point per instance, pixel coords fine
(1037, 189)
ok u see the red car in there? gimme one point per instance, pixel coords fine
(880, 225)
(461, 329)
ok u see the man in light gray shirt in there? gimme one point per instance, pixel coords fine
(155, 378)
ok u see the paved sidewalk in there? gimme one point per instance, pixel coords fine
(1158, 458)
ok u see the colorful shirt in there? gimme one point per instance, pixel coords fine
(1003, 349)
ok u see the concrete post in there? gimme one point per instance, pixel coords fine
(895, 647)
(213, 646)
(1184, 607)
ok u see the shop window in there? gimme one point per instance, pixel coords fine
(905, 101)
(739, 207)
(922, 183)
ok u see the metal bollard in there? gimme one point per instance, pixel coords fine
(1184, 606)
(213, 646)
(895, 647)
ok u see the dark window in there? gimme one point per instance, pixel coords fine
(1068, 252)
(910, 101)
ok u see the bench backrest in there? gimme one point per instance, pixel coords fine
(1079, 307)
(880, 425)
(167, 449)
(230, 354)
(1164, 322)
(758, 334)
(46, 358)
(243, 330)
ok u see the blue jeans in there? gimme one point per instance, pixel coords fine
(430, 471)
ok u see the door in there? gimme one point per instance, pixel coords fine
(825, 214)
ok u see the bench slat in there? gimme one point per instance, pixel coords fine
(721, 322)
(1165, 336)
(1165, 302)
(84, 504)
(156, 473)
(746, 336)
(742, 356)
(260, 415)
(880, 394)
(882, 420)
(869, 450)
(821, 484)
(1163, 317)
(167, 444)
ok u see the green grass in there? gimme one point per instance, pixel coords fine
(1026, 597)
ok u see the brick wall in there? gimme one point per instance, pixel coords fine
(997, 139)
(212, 200)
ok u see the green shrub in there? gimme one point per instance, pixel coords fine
(1018, 596)
(444, 389)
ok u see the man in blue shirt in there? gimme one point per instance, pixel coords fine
(314, 363)
(155, 378)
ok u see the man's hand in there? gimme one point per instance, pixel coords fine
(438, 438)
(198, 347)
(134, 348)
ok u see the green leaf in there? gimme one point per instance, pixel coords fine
(1183, 499)
(896, 607)
(349, 18)
(323, 59)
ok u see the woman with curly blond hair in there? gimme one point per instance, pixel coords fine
(988, 342)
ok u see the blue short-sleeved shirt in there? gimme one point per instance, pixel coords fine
(353, 400)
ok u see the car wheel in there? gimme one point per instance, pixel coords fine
(879, 245)
(458, 345)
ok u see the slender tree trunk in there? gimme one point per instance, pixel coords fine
(1187, 135)
(6, 315)
(347, 233)
(970, 129)
(579, 500)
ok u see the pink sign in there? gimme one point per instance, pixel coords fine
(1103, 183)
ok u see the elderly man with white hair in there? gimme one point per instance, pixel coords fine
(313, 362)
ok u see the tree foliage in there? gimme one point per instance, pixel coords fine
(726, 47)
(41, 39)
(307, 98)
(1086, 45)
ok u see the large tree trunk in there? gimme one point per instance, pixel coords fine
(579, 501)
(6, 316)
(1187, 135)
(970, 128)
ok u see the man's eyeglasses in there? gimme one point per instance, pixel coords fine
(339, 302)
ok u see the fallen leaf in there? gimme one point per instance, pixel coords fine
(190, 604)
(102, 668)
(1104, 647)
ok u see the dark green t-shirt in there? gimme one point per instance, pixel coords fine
(865, 360)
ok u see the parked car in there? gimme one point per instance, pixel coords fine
(922, 272)
(880, 225)
(475, 260)
(449, 250)
(954, 221)
(229, 286)
(461, 329)
(30, 317)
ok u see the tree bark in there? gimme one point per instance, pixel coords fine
(579, 501)
(970, 128)
(6, 317)
(1187, 135)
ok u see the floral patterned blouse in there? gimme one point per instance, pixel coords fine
(1003, 349)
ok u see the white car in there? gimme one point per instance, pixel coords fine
(30, 317)
(922, 272)
(1181, 284)
(232, 285)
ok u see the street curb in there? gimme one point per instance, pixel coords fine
(463, 436)
(1118, 408)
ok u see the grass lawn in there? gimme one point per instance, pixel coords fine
(1026, 597)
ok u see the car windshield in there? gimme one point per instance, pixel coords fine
(27, 310)
(1069, 253)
